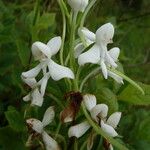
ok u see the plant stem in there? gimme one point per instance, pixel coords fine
(56, 100)
(128, 79)
(72, 39)
(64, 31)
(57, 130)
(87, 77)
(86, 12)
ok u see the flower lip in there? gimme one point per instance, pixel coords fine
(40, 51)
(35, 124)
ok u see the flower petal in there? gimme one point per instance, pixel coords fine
(31, 82)
(37, 98)
(110, 60)
(105, 34)
(89, 101)
(78, 50)
(54, 44)
(49, 142)
(99, 112)
(111, 147)
(58, 72)
(35, 124)
(114, 119)
(27, 98)
(41, 51)
(108, 129)
(115, 77)
(48, 116)
(91, 56)
(78, 130)
(114, 53)
(104, 69)
(44, 84)
(32, 73)
(88, 34)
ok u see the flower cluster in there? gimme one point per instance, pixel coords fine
(99, 115)
(37, 79)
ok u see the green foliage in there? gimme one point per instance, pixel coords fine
(15, 119)
(24, 22)
(133, 96)
(9, 139)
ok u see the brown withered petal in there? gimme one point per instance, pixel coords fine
(69, 113)
(106, 144)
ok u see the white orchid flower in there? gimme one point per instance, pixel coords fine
(38, 127)
(98, 114)
(43, 53)
(98, 53)
(78, 5)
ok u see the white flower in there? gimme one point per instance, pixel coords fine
(38, 127)
(78, 5)
(99, 114)
(43, 53)
(98, 53)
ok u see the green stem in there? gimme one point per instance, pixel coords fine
(72, 39)
(101, 132)
(87, 77)
(56, 100)
(64, 31)
(71, 50)
(83, 145)
(75, 144)
(57, 130)
(86, 12)
(128, 79)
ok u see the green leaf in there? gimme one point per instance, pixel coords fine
(104, 95)
(133, 83)
(131, 95)
(144, 129)
(15, 119)
(10, 140)
(23, 52)
(45, 21)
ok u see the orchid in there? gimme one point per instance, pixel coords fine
(43, 53)
(98, 53)
(78, 5)
(38, 127)
(99, 115)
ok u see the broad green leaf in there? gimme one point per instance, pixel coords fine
(144, 129)
(15, 119)
(11, 140)
(131, 95)
(23, 52)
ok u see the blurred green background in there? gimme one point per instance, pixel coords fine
(19, 29)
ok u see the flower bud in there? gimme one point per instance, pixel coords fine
(78, 5)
